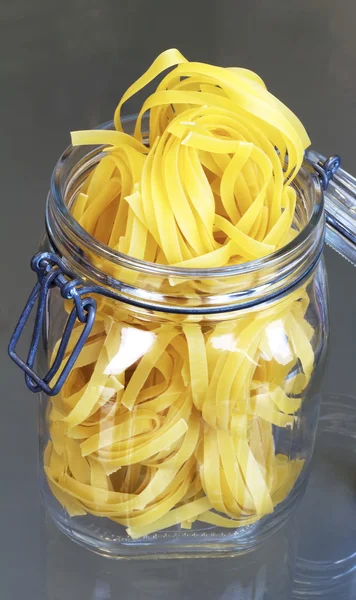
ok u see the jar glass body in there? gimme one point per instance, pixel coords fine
(187, 424)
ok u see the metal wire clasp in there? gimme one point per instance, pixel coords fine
(327, 169)
(52, 272)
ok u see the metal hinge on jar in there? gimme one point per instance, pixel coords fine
(340, 204)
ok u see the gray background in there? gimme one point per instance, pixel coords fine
(64, 66)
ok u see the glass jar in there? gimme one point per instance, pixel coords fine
(178, 407)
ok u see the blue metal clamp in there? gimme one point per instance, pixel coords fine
(51, 272)
(327, 169)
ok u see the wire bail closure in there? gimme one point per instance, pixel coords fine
(52, 272)
(327, 169)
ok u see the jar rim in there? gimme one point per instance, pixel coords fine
(149, 268)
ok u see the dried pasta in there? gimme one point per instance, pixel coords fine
(169, 423)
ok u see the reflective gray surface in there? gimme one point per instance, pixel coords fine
(264, 573)
(325, 565)
(63, 66)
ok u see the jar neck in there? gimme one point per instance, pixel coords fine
(169, 288)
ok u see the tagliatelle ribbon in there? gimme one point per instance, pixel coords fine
(233, 132)
(165, 424)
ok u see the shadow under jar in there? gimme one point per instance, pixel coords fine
(186, 425)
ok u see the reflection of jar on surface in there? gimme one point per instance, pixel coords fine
(265, 574)
(190, 414)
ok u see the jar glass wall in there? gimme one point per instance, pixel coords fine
(187, 423)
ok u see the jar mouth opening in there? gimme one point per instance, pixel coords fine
(306, 173)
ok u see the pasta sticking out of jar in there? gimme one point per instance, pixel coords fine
(176, 418)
